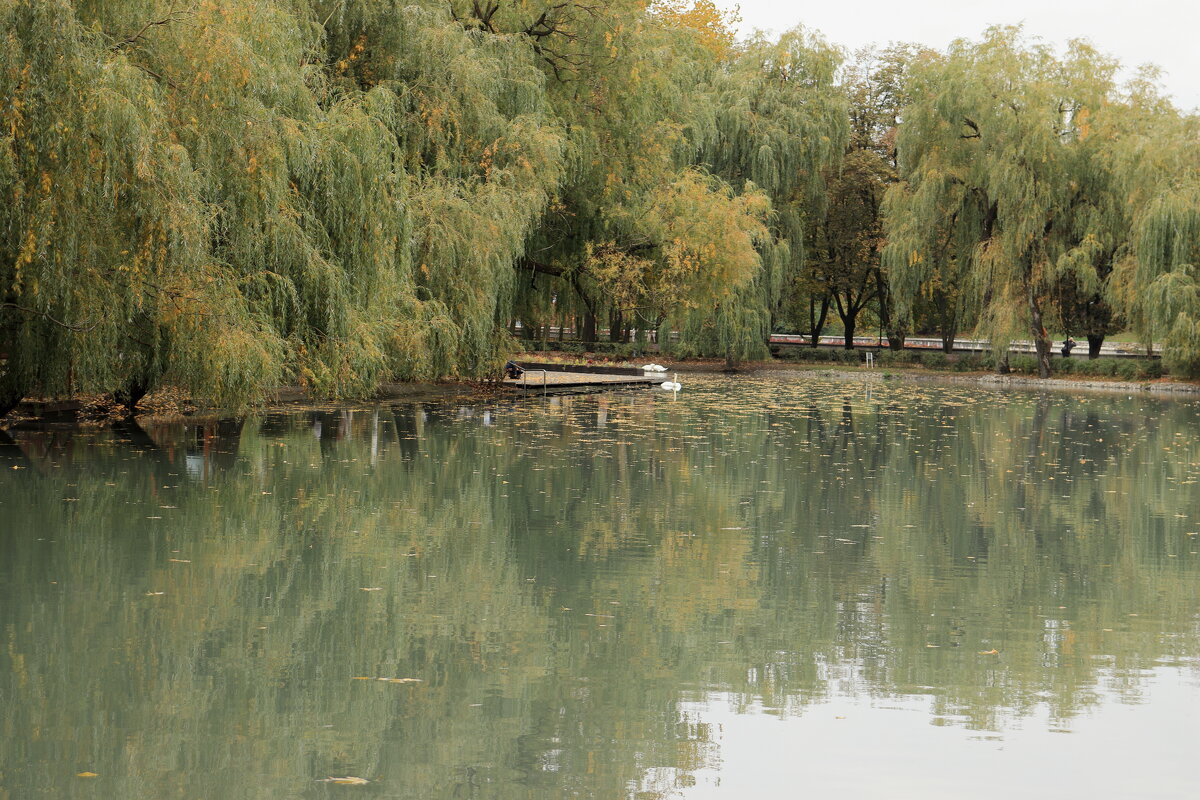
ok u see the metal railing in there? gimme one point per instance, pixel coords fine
(525, 379)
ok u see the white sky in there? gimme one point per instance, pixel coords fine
(1162, 32)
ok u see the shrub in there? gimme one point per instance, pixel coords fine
(935, 360)
(963, 363)
(1130, 370)
(1023, 365)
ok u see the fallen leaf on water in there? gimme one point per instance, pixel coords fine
(401, 680)
(992, 652)
(180, 560)
(155, 594)
(349, 780)
(86, 775)
(371, 588)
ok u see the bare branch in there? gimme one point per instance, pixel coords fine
(46, 316)
(172, 16)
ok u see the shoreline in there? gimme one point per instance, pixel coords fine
(93, 411)
(988, 380)
(1163, 387)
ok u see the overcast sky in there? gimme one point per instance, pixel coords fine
(1163, 32)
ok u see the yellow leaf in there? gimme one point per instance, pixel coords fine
(350, 780)
(86, 775)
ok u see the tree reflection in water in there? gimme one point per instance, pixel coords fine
(565, 581)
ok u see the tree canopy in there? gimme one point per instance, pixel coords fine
(334, 193)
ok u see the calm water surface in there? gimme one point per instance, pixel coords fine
(769, 587)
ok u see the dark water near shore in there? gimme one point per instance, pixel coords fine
(763, 587)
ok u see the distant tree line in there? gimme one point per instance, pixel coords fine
(229, 196)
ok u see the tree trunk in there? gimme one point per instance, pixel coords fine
(895, 334)
(615, 325)
(848, 313)
(1095, 341)
(589, 315)
(1002, 364)
(848, 341)
(1040, 341)
(817, 322)
(588, 335)
(1043, 356)
(132, 394)
(949, 325)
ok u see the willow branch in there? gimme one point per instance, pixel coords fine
(129, 41)
(82, 328)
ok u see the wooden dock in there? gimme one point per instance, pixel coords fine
(538, 381)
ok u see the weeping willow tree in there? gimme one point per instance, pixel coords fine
(779, 123)
(468, 110)
(1002, 182)
(190, 205)
(231, 195)
(103, 257)
(228, 196)
(1155, 282)
(624, 235)
(303, 194)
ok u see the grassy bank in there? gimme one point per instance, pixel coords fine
(1126, 369)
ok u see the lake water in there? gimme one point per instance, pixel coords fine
(765, 587)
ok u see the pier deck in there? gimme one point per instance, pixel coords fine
(538, 382)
